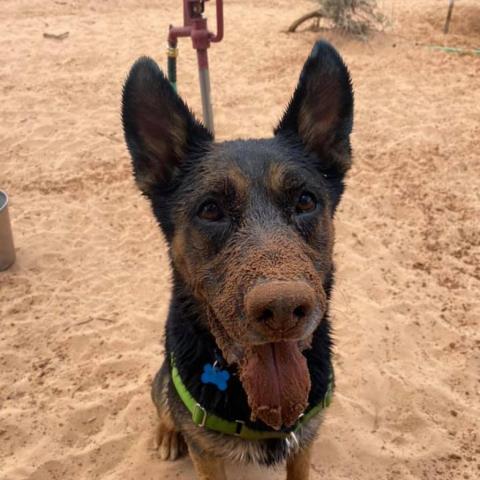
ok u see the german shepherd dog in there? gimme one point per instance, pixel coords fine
(249, 225)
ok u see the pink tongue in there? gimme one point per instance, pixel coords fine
(276, 379)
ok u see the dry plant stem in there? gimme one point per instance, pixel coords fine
(352, 16)
(54, 36)
(315, 14)
(449, 16)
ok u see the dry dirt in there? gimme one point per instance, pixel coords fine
(82, 311)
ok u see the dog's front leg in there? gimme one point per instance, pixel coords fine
(298, 465)
(206, 466)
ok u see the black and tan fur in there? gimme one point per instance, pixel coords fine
(238, 214)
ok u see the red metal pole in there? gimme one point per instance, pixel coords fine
(219, 36)
(195, 26)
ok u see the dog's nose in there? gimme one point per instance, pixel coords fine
(279, 305)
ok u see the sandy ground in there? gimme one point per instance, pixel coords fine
(82, 311)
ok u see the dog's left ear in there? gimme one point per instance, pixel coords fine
(320, 112)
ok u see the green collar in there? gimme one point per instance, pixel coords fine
(202, 418)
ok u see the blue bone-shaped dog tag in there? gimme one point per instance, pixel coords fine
(217, 377)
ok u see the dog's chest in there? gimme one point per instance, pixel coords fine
(263, 452)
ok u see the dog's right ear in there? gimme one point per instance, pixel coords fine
(160, 130)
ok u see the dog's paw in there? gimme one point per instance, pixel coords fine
(169, 443)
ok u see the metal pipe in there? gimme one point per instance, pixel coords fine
(176, 32)
(7, 249)
(219, 9)
(195, 26)
(204, 78)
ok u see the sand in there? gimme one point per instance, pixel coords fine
(82, 311)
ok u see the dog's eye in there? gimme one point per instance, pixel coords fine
(210, 211)
(306, 203)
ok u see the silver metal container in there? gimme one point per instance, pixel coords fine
(7, 250)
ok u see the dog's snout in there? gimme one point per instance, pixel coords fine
(280, 305)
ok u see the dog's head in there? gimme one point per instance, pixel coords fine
(249, 223)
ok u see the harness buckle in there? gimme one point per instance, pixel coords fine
(199, 415)
(238, 427)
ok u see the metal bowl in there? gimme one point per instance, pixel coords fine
(7, 249)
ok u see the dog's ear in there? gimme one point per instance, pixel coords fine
(320, 112)
(160, 130)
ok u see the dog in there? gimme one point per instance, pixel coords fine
(249, 225)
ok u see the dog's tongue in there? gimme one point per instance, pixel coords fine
(277, 382)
